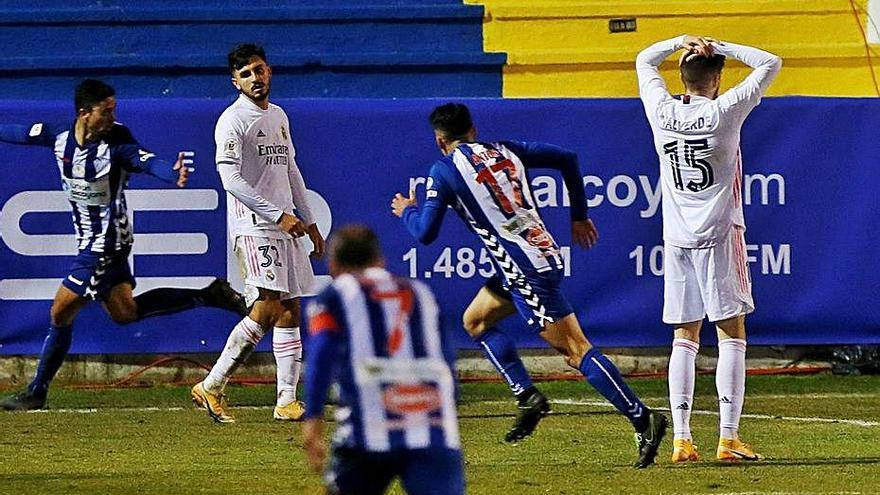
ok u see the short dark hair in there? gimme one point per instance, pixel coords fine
(90, 92)
(355, 246)
(452, 119)
(241, 55)
(698, 71)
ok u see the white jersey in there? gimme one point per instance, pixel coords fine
(697, 140)
(255, 158)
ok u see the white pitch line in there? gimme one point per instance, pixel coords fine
(855, 422)
(571, 402)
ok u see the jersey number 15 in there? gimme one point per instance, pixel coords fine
(686, 149)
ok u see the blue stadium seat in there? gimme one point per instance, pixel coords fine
(332, 48)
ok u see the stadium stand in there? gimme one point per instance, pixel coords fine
(334, 48)
(564, 48)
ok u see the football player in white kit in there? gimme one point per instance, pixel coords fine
(697, 137)
(268, 219)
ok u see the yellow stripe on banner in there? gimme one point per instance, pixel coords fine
(563, 48)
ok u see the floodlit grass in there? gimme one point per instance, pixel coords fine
(107, 441)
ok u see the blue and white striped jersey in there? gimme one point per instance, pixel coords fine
(379, 336)
(94, 176)
(486, 183)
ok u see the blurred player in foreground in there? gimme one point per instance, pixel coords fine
(697, 137)
(94, 156)
(268, 215)
(487, 185)
(379, 337)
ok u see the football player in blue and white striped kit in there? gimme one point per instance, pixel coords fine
(379, 337)
(94, 157)
(487, 185)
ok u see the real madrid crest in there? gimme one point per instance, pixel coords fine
(284, 133)
(78, 171)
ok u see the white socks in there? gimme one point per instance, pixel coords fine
(242, 340)
(730, 380)
(682, 369)
(287, 347)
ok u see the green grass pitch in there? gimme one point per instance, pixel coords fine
(821, 434)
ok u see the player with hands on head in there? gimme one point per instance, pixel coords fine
(706, 274)
(95, 156)
(269, 218)
(487, 185)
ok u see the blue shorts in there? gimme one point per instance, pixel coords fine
(92, 275)
(421, 471)
(537, 298)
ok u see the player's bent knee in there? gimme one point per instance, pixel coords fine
(267, 312)
(62, 314)
(59, 316)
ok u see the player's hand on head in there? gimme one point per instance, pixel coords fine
(400, 203)
(182, 170)
(292, 225)
(584, 233)
(697, 46)
(317, 240)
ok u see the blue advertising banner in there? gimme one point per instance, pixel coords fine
(810, 190)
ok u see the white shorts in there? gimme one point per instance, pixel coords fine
(281, 265)
(713, 281)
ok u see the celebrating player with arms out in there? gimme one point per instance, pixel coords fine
(697, 137)
(94, 157)
(380, 337)
(268, 215)
(487, 185)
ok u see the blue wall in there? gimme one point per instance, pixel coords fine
(330, 48)
(812, 229)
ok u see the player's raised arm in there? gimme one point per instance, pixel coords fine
(652, 86)
(135, 158)
(38, 133)
(765, 64)
(424, 224)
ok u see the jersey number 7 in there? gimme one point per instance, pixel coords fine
(404, 297)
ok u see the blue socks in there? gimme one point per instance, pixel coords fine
(499, 349)
(601, 373)
(55, 348)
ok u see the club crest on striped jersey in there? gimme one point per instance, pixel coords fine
(411, 398)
